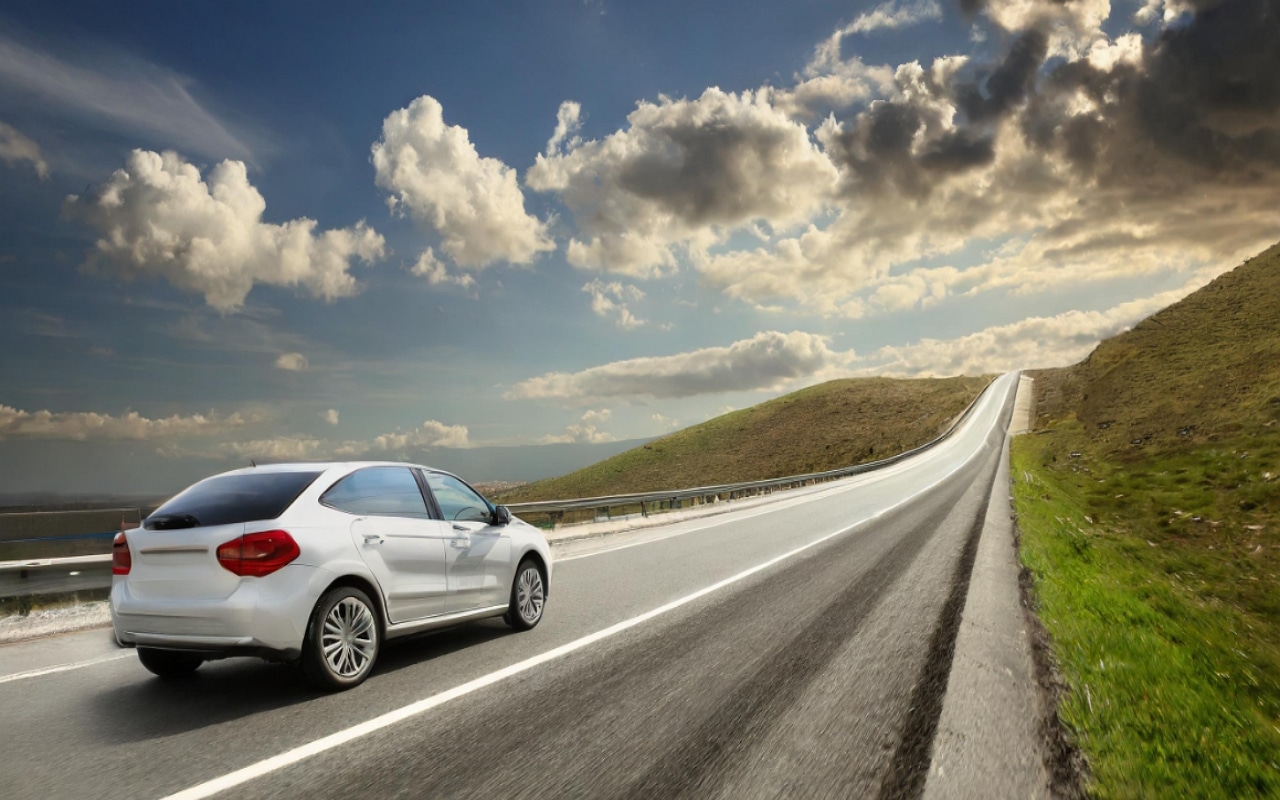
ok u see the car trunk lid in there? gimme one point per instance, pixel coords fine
(182, 563)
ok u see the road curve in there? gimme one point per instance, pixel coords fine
(796, 649)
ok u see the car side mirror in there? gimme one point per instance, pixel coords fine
(501, 515)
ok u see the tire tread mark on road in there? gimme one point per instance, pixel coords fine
(906, 776)
(599, 687)
(581, 730)
(691, 767)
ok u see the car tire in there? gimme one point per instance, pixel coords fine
(344, 638)
(528, 596)
(169, 664)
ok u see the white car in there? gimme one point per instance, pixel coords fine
(319, 564)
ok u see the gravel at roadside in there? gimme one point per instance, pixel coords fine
(49, 621)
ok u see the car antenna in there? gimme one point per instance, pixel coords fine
(253, 463)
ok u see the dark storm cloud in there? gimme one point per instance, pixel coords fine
(877, 148)
(1203, 5)
(958, 151)
(711, 181)
(1204, 99)
(992, 97)
(905, 144)
(1211, 90)
(1091, 154)
(1203, 104)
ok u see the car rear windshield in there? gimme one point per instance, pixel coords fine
(229, 499)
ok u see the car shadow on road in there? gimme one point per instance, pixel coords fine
(222, 691)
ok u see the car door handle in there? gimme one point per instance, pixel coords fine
(462, 528)
(372, 538)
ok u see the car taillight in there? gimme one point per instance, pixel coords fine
(121, 559)
(258, 554)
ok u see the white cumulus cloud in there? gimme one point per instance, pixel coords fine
(158, 216)
(586, 432)
(16, 147)
(1104, 156)
(597, 415)
(825, 92)
(430, 433)
(768, 360)
(1051, 341)
(568, 123)
(279, 448)
(664, 422)
(609, 300)
(895, 15)
(1166, 11)
(684, 172)
(90, 425)
(392, 445)
(435, 175)
(437, 274)
(292, 362)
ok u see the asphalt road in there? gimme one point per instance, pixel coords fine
(797, 649)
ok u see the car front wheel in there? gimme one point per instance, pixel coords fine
(528, 596)
(343, 640)
(169, 663)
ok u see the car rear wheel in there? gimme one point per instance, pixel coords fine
(343, 640)
(528, 596)
(169, 663)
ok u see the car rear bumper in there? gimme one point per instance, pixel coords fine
(264, 617)
(215, 647)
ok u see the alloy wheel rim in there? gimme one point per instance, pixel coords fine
(349, 638)
(529, 594)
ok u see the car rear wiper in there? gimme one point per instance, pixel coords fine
(172, 522)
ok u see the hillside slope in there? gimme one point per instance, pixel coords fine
(835, 424)
(1149, 508)
(1202, 369)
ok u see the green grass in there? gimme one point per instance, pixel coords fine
(1165, 628)
(832, 425)
(1149, 504)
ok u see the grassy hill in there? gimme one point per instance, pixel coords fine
(1201, 370)
(1149, 505)
(835, 424)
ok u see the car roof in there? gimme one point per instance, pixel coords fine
(326, 466)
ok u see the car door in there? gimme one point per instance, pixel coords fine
(398, 538)
(478, 554)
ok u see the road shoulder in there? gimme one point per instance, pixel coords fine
(989, 741)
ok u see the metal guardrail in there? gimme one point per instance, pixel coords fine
(46, 576)
(675, 498)
(49, 552)
(87, 572)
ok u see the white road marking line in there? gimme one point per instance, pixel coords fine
(269, 765)
(36, 673)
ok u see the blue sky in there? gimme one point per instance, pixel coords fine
(281, 231)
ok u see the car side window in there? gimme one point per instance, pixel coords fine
(389, 491)
(457, 500)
